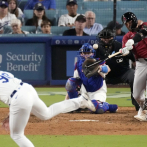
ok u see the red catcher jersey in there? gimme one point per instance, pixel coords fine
(140, 50)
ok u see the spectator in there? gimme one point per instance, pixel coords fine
(13, 8)
(46, 27)
(16, 27)
(38, 16)
(69, 19)
(118, 32)
(5, 16)
(80, 23)
(91, 26)
(48, 4)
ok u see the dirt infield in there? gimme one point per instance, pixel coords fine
(120, 123)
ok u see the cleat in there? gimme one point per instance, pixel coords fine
(88, 103)
(141, 116)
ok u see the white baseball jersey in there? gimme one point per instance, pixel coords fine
(7, 19)
(8, 83)
(65, 20)
(24, 101)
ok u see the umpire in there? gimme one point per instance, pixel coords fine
(119, 65)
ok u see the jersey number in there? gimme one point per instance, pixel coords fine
(4, 77)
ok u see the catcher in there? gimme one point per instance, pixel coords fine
(90, 80)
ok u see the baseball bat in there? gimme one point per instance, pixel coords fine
(110, 56)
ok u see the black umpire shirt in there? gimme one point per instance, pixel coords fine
(72, 32)
(118, 64)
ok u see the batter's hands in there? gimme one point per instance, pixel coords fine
(124, 51)
(5, 124)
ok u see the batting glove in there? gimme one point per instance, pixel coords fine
(129, 44)
(124, 51)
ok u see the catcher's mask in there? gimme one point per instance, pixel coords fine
(129, 16)
(106, 34)
(86, 48)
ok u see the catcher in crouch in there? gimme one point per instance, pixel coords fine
(90, 80)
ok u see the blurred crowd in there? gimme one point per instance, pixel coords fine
(13, 18)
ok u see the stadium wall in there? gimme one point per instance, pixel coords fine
(42, 60)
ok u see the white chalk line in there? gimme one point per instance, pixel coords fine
(110, 95)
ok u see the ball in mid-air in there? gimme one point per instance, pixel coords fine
(95, 46)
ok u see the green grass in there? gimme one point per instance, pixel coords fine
(119, 96)
(80, 141)
(51, 96)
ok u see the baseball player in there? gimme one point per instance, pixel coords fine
(136, 39)
(119, 65)
(23, 100)
(95, 85)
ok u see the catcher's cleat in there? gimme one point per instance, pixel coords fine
(88, 103)
(141, 116)
(145, 104)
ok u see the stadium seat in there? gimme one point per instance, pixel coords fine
(40, 35)
(58, 30)
(22, 3)
(13, 35)
(98, 5)
(7, 29)
(30, 29)
(51, 14)
(103, 20)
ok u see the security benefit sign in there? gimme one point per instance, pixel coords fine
(24, 60)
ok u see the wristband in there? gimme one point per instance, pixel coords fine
(104, 69)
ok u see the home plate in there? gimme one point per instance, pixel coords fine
(84, 120)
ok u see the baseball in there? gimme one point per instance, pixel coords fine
(95, 46)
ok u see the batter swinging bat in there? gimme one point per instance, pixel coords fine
(110, 56)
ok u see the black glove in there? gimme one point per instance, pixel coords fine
(90, 71)
(142, 33)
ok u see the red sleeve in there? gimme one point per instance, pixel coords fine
(125, 39)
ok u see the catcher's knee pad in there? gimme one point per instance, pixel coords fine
(71, 87)
(101, 107)
(113, 108)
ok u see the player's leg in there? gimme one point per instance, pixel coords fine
(71, 86)
(128, 77)
(20, 108)
(139, 88)
(102, 107)
(43, 112)
(99, 100)
(99, 95)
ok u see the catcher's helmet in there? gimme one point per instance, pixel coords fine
(86, 48)
(106, 33)
(126, 17)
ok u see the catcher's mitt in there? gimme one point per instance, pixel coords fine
(90, 71)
